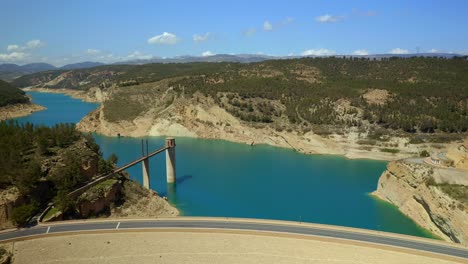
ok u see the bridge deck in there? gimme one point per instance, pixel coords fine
(101, 178)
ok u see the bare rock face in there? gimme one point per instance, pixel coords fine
(409, 187)
(99, 198)
(9, 199)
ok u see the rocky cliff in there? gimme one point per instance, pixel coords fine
(158, 111)
(439, 207)
(9, 199)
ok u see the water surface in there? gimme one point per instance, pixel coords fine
(220, 178)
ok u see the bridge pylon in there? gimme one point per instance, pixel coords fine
(170, 160)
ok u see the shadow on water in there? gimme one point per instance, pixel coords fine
(170, 192)
(180, 180)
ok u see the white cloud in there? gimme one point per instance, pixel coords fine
(399, 51)
(318, 52)
(434, 50)
(267, 26)
(35, 43)
(200, 38)
(328, 18)
(136, 55)
(30, 45)
(286, 21)
(13, 47)
(361, 52)
(13, 56)
(92, 51)
(249, 32)
(165, 38)
(207, 53)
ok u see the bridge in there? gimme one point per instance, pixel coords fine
(169, 147)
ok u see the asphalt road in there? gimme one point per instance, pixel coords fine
(252, 226)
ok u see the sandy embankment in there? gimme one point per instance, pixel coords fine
(19, 110)
(207, 247)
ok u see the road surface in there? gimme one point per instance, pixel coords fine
(246, 225)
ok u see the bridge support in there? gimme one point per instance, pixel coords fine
(170, 160)
(146, 173)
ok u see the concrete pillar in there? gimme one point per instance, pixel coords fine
(146, 173)
(170, 160)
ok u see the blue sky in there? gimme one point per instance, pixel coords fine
(61, 32)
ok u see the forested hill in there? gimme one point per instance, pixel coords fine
(11, 95)
(424, 94)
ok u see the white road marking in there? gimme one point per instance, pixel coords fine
(48, 229)
(118, 224)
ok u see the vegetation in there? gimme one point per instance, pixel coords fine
(45, 164)
(456, 191)
(390, 150)
(424, 95)
(11, 95)
(424, 154)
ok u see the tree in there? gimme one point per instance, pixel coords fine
(113, 159)
(22, 213)
(424, 153)
(63, 202)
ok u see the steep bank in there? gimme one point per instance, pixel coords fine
(19, 110)
(419, 193)
(200, 117)
(121, 197)
(40, 165)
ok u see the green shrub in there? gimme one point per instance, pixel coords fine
(21, 214)
(388, 150)
(424, 154)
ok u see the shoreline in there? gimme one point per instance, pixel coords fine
(309, 143)
(75, 94)
(378, 197)
(19, 110)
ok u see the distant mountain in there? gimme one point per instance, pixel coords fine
(242, 58)
(81, 65)
(37, 67)
(9, 72)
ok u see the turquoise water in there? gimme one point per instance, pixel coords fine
(219, 178)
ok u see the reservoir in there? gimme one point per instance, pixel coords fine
(224, 179)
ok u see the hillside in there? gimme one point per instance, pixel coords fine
(9, 72)
(434, 197)
(11, 95)
(40, 165)
(411, 95)
(382, 109)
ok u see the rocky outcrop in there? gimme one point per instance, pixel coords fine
(19, 110)
(139, 202)
(411, 187)
(201, 117)
(9, 199)
(99, 199)
(459, 155)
